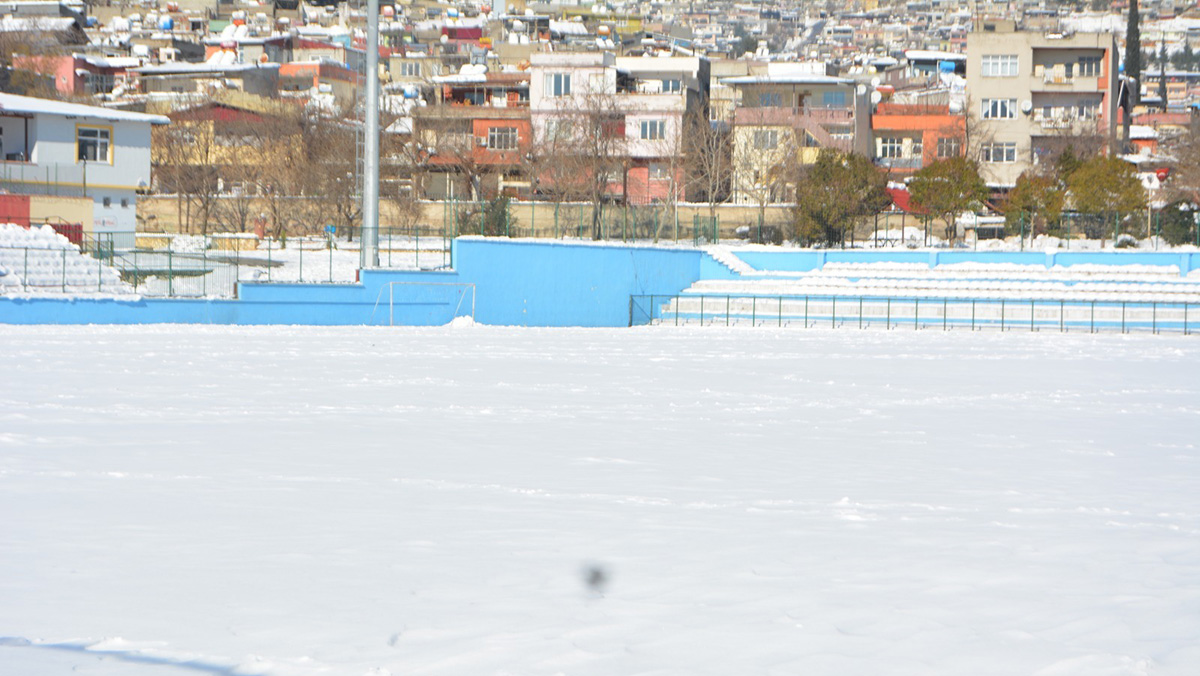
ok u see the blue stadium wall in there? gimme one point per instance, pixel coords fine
(517, 282)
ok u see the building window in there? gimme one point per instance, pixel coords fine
(107, 201)
(558, 84)
(999, 65)
(999, 109)
(834, 99)
(654, 130)
(918, 148)
(766, 139)
(658, 170)
(93, 144)
(410, 69)
(1089, 66)
(948, 147)
(671, 86)
(502, 138)
(890, 147)
(996, 153)
(124, 202)
(770, 99)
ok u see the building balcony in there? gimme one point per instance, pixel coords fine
(466, 112)
(1061, 82)
(792, 115)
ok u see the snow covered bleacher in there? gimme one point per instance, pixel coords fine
(40, 259)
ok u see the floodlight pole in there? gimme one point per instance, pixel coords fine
(369, 242)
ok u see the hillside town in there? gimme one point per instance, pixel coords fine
(206, 116)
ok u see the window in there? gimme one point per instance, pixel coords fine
(948, 147)
(124, 202)
(834, 99)
(654, 130)
(671, 86)
(999, 152)
(999, 109)
(1089, 66)
(999, 65)
(93, 144)
(556, 129)
(770, 99)
(107, 201)
(766, 139)
(410, 69)
(558, 84)
(918, 148)
(890, 147)
(502, 138)
(658, 170)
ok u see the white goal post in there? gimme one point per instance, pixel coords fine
(462, 287)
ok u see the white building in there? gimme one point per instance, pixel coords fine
(56, 148)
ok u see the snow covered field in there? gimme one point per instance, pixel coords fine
(475, 500)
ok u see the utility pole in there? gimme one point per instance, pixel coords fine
(369, 242)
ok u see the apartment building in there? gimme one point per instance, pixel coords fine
(908, 137)
(71, 150)
(647, 99)
(788, 115)
(1033, 93)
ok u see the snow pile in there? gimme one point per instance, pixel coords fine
(188, 244)
(39, 258)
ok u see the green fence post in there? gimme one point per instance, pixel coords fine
(137, 273)
(1001, 315)
(701, 310)
(204, 277)
(269, 266)
(753, 310)
(64, 270)
(170, 274)
(726, 310)
(331, 259)
(99, 275)
(300, 246)
(25, 276)
(917, 305)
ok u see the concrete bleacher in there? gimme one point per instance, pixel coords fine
(38, 259)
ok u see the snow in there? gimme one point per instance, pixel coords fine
(350, 501)
(40, 260)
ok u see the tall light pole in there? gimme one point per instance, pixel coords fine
(369, 242)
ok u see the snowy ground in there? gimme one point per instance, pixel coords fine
(222, 500)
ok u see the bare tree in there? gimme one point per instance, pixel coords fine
(709, 159)
(592, 149)
(187, 163)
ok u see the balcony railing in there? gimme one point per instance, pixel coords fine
(899, 162)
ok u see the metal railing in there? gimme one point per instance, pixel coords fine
(864, 312)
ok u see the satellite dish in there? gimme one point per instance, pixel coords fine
(1027, 106)
(862, 89)
(876, 97)
(875, 82)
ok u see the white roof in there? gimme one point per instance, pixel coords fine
(929, 55)
(184, 68)
(11, 103)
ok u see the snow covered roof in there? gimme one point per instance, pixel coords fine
(110, 61)
(930, 55)
(13, 24)
(186, 68)
(11, 103)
